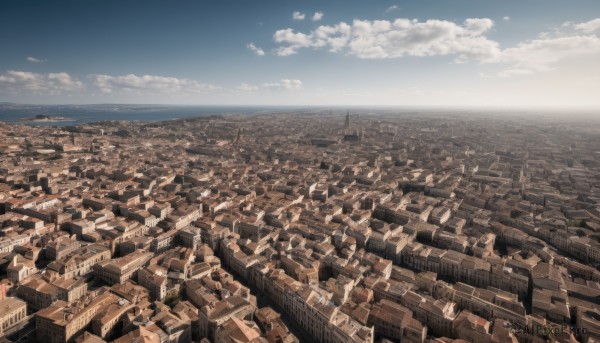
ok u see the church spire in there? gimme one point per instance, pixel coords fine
(347, 120)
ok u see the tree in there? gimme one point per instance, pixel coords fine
(171, 300)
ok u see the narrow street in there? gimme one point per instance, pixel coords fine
(264, 300)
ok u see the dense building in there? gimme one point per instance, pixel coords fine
(362, 227)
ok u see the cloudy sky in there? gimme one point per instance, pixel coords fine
(288, 52)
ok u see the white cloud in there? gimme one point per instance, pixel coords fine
(283, 84)
(258, 51)
(550, 50)
(151, 84)
(506, 18)
(35, 60)
(403, 37)
(382, 39)
(15, 82)
(567, 24)
(589, 26)
(392, 8)
(298, 16)
(291, 84)
(51, 83)
(515, 72)
(542, 54)
(245, 87)
(317, 16)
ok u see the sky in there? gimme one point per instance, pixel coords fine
(509, 53)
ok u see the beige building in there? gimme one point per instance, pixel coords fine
(271, 324)
(394, 321)
(81, 261)
(141, 335)
(41, 291)
(471, 328)
(589, 318)
(20, 268)
(61, 247)
(12, 312)
(164, 241)
(214, 314)
(177, 327)
(62, 322)
(105, 324)
(121, 269)
(488, 303)
(296, 269)
(154, 278)
(82, 227)
(238, 331)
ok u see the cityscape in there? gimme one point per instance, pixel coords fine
(434, 179)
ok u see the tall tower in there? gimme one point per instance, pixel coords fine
(347, 127)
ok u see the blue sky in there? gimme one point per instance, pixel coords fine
(289, 52)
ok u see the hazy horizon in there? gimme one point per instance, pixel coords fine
(323, 106)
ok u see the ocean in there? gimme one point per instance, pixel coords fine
(80, 114)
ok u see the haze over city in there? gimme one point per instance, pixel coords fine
(432, 53)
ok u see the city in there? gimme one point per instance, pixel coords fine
(296, 227)
(285, 171)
